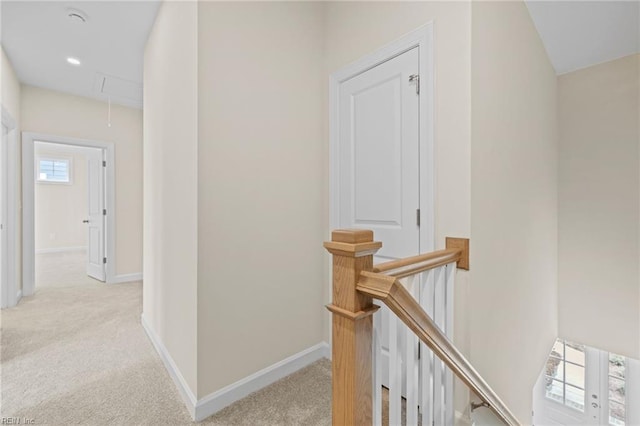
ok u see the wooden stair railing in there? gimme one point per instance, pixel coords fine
(356, 282)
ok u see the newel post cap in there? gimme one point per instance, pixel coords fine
(352, 243)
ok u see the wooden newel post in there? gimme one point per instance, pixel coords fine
(352, 251)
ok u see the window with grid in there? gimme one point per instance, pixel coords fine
(616, 386)
(54, 170)
(565, 375)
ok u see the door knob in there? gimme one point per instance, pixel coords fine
(85, 221)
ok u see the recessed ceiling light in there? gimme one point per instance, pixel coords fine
(73, 61)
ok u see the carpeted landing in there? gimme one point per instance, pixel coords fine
(75, 353)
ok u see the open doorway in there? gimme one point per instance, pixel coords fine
(69, 200)
(68, 197)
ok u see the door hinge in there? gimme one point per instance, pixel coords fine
(104, 163)
(104, 212)
(418, 217)
(104, 260)
(416, 78)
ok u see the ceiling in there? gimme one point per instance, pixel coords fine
(579, 34)
(39, 36)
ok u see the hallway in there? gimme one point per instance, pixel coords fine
(77, 354)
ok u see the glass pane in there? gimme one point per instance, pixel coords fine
(575, 398)
(616, 365)
(558, 349)
(574, 353)
(616, 390)
(616, 414)
(574, 375)
(555, 368)
(554, 390)
(54, 170)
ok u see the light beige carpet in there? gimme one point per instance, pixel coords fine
(65, 269)
(75, 353)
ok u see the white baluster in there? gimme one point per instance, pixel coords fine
(438, 371)
(377, 369)
(426, 356)
(411, 363)
(449, 304)
(395, 373)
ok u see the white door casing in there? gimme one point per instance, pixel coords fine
(95, 215)
(28, 216)
(3, 217)
(9, 283)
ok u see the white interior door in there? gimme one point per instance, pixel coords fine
(96, 215)
(378, 113)
(379, 157)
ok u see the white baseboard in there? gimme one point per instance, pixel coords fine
(212, 403)
(126, 278)
(216, 401)
(61, 250)
(183, 388)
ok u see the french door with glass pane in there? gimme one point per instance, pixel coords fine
(582, 385)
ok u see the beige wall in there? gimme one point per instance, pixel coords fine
(10, 98)
(513, 202)
(170, 183)
(261, 182)
(61, 208)
(58, 114)
(599, 287)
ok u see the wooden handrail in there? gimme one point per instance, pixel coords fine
(390, 291)
(414, 265)
(457, 250)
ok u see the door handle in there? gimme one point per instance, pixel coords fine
(85, 221)
(594, 405)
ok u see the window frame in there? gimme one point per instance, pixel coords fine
(606, 376)
(563, 360)
(69, 161)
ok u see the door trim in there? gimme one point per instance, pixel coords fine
(422, 38)
(28, 217)
(9, 282)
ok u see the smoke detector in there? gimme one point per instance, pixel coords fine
(77, 16)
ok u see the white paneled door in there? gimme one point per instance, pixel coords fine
(379, 166)
(96, 216)
(379, 154)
